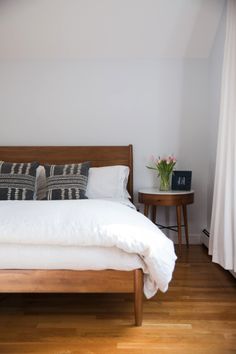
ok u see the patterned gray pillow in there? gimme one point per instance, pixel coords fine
(17, 180)
(66, 181)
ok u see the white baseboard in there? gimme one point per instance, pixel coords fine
(205, 239)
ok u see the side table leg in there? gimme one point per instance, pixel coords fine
(186, 224)
(154, 211)
(146, 209)
(178, 214)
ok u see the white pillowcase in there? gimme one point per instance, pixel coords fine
(108, 182)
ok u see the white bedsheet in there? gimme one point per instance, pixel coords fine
(87, 223)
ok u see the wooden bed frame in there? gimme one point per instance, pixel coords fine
(73, 281)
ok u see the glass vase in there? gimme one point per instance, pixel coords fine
(165, 183)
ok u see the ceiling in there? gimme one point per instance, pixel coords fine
(108, 29)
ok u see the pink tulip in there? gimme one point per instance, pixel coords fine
(174, 159)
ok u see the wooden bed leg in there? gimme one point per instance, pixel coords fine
(138, 296)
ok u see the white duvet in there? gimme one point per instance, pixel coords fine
(87, 223)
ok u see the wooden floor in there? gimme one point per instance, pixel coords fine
(196, 315)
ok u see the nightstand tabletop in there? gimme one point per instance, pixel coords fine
(157, 191)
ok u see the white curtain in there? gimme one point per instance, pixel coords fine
(223, 222)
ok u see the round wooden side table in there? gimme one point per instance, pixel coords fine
(153, 197)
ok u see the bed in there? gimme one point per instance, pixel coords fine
(50, 278)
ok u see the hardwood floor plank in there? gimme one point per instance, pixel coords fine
(196, 315)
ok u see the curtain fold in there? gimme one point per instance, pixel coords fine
(222, 245)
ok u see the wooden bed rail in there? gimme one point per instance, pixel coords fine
(75, 281)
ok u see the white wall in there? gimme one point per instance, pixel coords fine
(160, 105)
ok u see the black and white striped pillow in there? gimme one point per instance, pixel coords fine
(66, 181)
(17, 180)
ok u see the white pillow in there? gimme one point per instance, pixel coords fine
(108, 182)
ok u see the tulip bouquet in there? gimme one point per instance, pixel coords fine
(164, 167)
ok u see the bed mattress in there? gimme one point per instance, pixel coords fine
(65, 257)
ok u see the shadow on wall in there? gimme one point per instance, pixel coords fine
(195, 130)
(193, 151)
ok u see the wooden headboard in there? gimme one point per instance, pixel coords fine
(98, 155)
